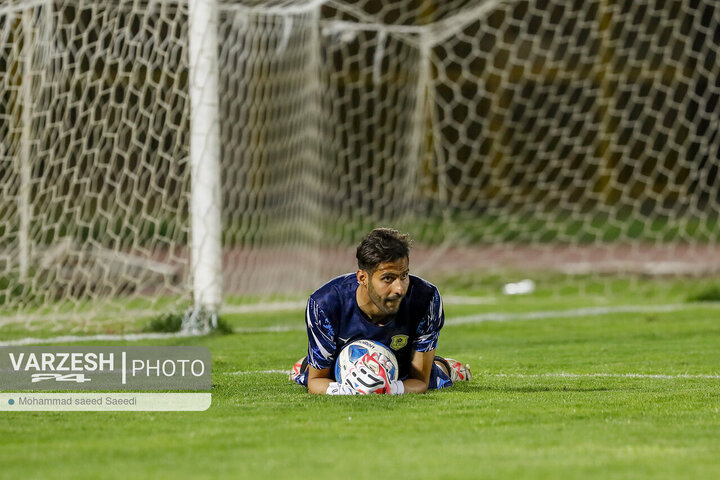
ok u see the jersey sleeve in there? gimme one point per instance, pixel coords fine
(321, 337)
(429, 326)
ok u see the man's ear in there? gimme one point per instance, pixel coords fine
(362, 277)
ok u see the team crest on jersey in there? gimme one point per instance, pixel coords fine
(398, 341)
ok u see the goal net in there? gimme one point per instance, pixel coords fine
(505, 136)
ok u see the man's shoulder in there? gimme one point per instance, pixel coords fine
(422, 288)
(336, 290)
(421, 295)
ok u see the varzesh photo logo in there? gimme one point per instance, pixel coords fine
(63, 366)
(94, 368)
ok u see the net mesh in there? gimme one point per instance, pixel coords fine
(505, 136)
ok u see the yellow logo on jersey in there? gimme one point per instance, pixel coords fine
(398, 341)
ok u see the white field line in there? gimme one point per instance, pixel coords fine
(507, 317)
(300, 304)
(576, 312)
(657, 376)
(130, 337)
(249, 308)
(270, 329)
(468, 319)
(265, 307)
(465, 300)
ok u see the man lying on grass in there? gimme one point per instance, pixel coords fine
(384, 303)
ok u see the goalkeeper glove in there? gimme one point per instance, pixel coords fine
(381, 364)
(397, 387)
(368, 376)
(383, 360)
(336, 388)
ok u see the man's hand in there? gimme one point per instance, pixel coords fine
(336, 388)
(382, 360)
(395, 387)
(368, 376)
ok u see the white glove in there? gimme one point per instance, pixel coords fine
(368, 376)
(383, 360)
(336, 388)
(397, 387)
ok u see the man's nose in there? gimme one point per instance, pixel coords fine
(398, 287)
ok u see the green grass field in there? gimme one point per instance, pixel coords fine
(621, 394)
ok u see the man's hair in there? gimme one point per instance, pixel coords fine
(380, 246)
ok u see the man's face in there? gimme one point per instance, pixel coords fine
(388, 285)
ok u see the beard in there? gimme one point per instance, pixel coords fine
(386, 305)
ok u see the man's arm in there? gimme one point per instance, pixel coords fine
(318, 380)
(321, 346)
(423, 354)
(421, 365)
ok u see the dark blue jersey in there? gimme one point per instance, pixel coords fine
(334, 319)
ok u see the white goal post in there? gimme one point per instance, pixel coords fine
(179, 155)
(205, 232)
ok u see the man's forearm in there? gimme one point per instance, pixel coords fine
(414, 385)
(420, 370)
(318, 385)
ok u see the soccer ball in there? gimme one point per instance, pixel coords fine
(353, 351)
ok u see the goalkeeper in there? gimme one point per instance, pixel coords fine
(384, 303)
